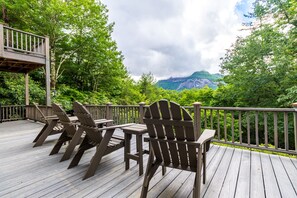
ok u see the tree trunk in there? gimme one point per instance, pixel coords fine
(4, 14)
(53, 71)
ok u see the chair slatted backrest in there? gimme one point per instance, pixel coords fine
(169, 121)
(87, 122)
(62, 115)
(39, 110)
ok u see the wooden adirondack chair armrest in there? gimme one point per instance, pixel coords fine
(52, 117)
(73, 118)
(206, 136)
(114, 127)
(102, 121)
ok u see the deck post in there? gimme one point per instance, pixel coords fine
(141, 112)
(47, 72)
(108, 112)
(295, 125)
(197, 119)
(1, 40)
(0, 113)
(26, 88)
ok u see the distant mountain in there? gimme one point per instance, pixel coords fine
(198, 79)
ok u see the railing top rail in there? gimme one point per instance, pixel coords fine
(251, 109)
(13, 105)
(6, 27)
(111, 105)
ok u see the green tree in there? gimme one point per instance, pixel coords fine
(262, 65)
(83, 53)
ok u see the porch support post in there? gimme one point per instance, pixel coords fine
(295, 126)
(197, 119)
(47, 72)
(1, 40)
(26, 88)
(141, 112)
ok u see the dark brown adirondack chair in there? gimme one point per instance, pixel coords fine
(174, 143)
(69, 133)
(104, 144)
(51, 127)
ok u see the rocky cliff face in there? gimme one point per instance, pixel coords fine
(198, 79)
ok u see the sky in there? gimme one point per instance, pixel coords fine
(174, 38)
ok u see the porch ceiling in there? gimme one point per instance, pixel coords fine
(17, 66)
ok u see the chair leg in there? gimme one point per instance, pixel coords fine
(75, 141)
(204, 167)
(46, 133)
(63, 138)
(197, 183)
(149, 173)
(39, 134)
(100, 151)
(163, 170)
(82, 148)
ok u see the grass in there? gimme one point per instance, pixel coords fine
(256, 150)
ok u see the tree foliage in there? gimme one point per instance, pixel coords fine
(261, 66)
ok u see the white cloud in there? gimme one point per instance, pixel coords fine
(173, 37)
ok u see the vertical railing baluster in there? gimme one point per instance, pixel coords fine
(211, 119)
(12, 40)
(286, 131)
(38, 48)
(7, 38)
(205, 119)
(265, 129)
(257, 127)
(248, 127)
(34, 44)
(275, 130)
(218, 129)
(17, 40)
(26, 42)
(232, 126)
(10, 112)
(30, 43)
(295, 126)
(22, 42)
(225, 126)
(239, 127)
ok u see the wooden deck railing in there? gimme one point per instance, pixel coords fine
(24, 42)
(12, 112)
(33, 114)
(273, 129)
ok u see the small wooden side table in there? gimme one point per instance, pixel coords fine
(138, 130)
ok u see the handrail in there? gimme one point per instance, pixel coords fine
(271, 129)
(12, 112)
(251, 109)
(6, 27)
(19, 41)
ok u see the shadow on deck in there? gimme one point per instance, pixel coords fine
(30, 172)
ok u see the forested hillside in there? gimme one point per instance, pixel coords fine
(86, 65)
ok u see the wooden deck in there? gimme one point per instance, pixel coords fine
(30, 172)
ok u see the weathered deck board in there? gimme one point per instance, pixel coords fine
(30, 172)
(283, 180)
(270, 182)
(243, 179)
(218, 179)
(257, 186)
(229, 185)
